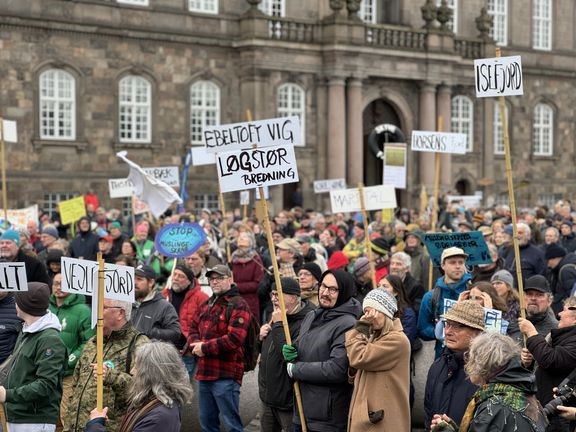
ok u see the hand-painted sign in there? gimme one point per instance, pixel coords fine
(13, 277)
(179, 240)
(244, 198)
(120, 188)
(498, 76)
(472, 243)
(321, 186)
(252, 168)
(72, 210)
(375, 198)
(439, 142)
(284, 131)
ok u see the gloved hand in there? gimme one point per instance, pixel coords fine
(289, 352)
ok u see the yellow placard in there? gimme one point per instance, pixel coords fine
(72, 210)
(387, 215)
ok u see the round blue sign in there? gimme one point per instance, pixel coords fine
(179, 240)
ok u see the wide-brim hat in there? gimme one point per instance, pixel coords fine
(468, 313)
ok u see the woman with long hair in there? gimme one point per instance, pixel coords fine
(160, 388)
(248, 270)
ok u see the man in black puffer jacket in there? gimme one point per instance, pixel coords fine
(10, 324)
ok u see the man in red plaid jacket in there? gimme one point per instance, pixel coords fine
(217, 338)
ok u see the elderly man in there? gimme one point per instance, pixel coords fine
(551, 235)
(120, 342)
(318, 359)
(400, 263)
(152, 314)
(538, 298)
(555, 356)
(531, 257)
(275, 386)
(10, 251)
(448, 390)
(561, 273)
(449, 286)
(197, 262)
(420, 264)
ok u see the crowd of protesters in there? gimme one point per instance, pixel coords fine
(353, 343)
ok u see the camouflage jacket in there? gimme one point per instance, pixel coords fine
(117, 348)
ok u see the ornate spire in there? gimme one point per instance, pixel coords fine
(444, 15)
(429, 14)
(484, 23)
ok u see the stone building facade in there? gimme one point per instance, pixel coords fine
(351, 65)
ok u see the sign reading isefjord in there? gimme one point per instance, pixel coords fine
(498, 76)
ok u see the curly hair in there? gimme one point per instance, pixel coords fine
(489, 353)
(161, 374)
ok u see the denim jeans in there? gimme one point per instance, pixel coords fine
(220, 397)
(190, 363)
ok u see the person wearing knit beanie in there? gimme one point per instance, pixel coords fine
(35, 301)
(382, 301)
(309, 277)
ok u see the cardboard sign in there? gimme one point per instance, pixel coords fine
(468, 201)
(81, 277)
(252, 168)
(375, 198)
(492, 317)
(201, 157)
(139, 207)
(472, 243)
(13, 277)
(179, 240)
(120, 188)
(498, 76)
(9, 133)
(244, 198)
(439, 142)
(20, 217)
(284, 131)
(322, 186)
(72, 210)
(395, 165)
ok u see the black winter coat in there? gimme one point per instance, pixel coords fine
(532, 262)
(275, 386)
(10, 326)
(35, 269)
(160, 418)
(84, 245)
(562, 279)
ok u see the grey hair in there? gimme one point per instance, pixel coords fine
(160, 373)
(489, 352)
(125, 306)
(251, 238)
(554, 230)
(526, 228)
(404, 257)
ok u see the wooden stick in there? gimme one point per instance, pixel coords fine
(100, 336)
(434, 218)
(367, 245)
(272, 249)
(224, 226)
(3, 157)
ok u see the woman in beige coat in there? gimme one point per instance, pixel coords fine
(380, 352)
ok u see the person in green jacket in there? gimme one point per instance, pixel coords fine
(75, 318)
(32, 391)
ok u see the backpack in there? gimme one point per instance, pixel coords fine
(251, 342)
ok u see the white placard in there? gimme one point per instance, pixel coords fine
(252, 168)
(439, 142)
(81, 277)
(266, 193)
(13, 277)
(121, 188)
(498, 76)
(200, 157)
(244, 197)
(9, 131)
(395, 165)
(322, 186)
(20, 217)
(468, 201)
(375, 198)
(284, 131)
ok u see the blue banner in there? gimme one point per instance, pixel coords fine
(179, 240)
(472, 242)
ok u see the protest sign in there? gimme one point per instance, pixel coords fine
(120, 188)
(253, 168)
(472, 243)
(284, 131)
(72, 210)
(201, 157)
(9, 131)
(20, 217)
(266, 195)
(395, 165)
(492, 317)
(139, 207)
(179, 240)
(81, 277)
(244, 198)
(498, 76)
(13, 277)
(321, 186)
(439, 142)
(375, 197)
(468, 201)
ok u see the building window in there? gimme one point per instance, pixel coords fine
(275, 8)
(135, 100)
(542, 130)
(291, 101)
(452, 4)
(499, 11)
(134, 2)
(542, 24)
(204, 109)
(462, 116)
(57, 105)
(203, 6)
(51, 201)
(209, 201)
(498, 135)
(367, 12)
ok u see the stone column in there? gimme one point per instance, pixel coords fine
(427, 121)
(444, 106)
(354, 133)
(336, 129)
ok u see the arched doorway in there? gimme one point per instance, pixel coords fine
(377, 112)
(463, 187)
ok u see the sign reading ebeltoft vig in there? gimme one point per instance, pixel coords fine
(241, 167)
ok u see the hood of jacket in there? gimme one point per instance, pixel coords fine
(457, 287)
(71, 300)
(350, 307)
(517, 376)
(45, 322)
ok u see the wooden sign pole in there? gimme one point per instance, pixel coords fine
(367, 245)
(100, 336)
(434, 218)
(3, 157)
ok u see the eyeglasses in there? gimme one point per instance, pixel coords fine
(571, 308)
(112, 307)
(332, 290)
(454, 325)
(217, 278)
(304, 273)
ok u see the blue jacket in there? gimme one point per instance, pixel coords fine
(427, 318)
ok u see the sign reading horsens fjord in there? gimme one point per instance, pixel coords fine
(498, 76)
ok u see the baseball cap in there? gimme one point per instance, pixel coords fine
(220, 269)
(145, 271)
(538, 283)
(452, 252)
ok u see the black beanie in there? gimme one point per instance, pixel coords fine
(314, 269)
(554, 250)
(187, 271)
(35, 301)
(289, 286)
(346, 285)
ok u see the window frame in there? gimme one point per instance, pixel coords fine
(213, 10)
(498, 133)
(542, 37)
(267, 6)
(542, 130)
(290, 110)
(143, 3)
(203, 108)
(458, 121)
(135, 108)
(368, 8)
(57, 100)
(497, 11)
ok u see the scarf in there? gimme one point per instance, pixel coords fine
(134, 416)
(243, 255)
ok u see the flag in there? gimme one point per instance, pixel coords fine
(183, 193)
(157, 194)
